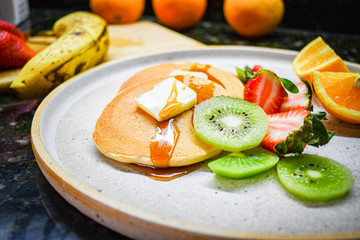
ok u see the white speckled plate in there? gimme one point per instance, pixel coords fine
(198, 205)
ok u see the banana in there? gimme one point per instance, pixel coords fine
(82, 42)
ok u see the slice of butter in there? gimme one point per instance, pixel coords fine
(168, 94)
(191, 73)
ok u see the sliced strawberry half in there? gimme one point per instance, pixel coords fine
(289, 132)
(265, 90)
(298, 100)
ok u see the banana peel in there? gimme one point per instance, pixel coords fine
(82, 42)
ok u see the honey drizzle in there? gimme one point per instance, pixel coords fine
(206, 69)
(163, 144)
(172, 104)
(164, 174)
(203, 91)
(167, 134)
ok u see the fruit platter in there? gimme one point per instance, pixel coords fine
(209, 199)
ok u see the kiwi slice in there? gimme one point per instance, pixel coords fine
(244, 164)
(314, 178)
(229, 123)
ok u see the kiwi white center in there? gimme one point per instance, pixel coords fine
(231, 121)
(313, 174)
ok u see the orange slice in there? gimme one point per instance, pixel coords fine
(317, 56)
(339, 94)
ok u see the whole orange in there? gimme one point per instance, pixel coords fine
(253, 18)
(118, 11)
(179, 14)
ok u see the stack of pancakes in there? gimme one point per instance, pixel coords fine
(123, 131)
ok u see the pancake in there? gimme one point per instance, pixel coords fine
(159, 72)
(123, 131)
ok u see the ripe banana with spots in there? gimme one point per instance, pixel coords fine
(82, 42)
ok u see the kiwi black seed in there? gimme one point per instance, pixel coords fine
(229, 123)
(314, 177)
(244, 164)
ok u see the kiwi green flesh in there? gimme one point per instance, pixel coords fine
(229, 123)
(314, 178)
(244, 164)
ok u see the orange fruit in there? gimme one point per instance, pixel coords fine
(253, 18)
(339, 94)
(317, 56)
(118, 11)
(179, 14)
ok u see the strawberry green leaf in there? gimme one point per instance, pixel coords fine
(323, 136)
(307, 85)
(292, 145)
(241, 75)
(289, 85)
(309, 90)
(313, 133)
(244, 74)
(248, 73)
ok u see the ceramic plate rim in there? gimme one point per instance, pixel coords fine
(63, 181)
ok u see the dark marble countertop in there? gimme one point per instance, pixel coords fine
(29, 207)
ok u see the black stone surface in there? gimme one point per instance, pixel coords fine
(29, 207)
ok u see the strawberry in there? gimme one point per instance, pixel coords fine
(14, 52)
(265, 89)
(289, 132)
(255, 69)
(299, 100)
(6, 26)
(246, 74)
